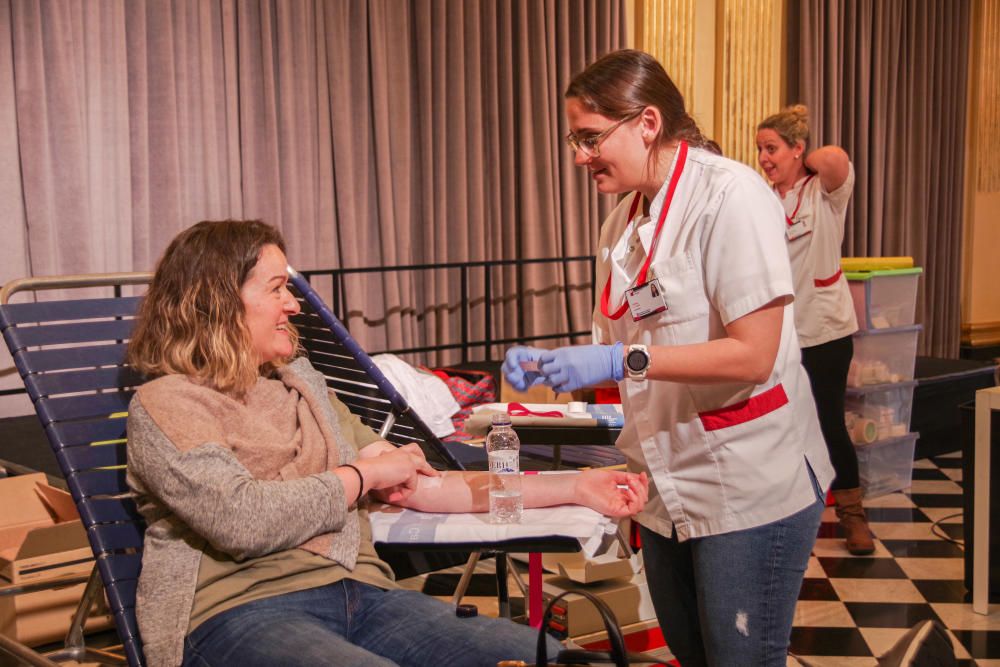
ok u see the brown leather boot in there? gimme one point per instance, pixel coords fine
(852, 518)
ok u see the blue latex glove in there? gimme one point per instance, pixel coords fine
(570, 368)
(516, 376)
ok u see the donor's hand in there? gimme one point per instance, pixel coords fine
(394, 473)
(613, 493)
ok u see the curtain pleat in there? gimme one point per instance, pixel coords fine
(372, 133)
(887, 80)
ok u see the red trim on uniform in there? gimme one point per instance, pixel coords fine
(826, 282)
(789, 219)
(744, 411)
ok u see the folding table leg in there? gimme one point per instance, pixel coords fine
(463, 583)
(503, 595)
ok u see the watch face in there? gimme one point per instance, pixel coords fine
(636, 360)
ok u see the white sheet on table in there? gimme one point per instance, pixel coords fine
(399, 525)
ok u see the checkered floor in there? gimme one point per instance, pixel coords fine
(853, 608)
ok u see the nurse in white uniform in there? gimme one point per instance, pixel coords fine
(814, 188)
(695, 323)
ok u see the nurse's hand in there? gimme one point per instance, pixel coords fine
(519, 378)
(567, 369)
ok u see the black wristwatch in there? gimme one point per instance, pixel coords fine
(637, 362)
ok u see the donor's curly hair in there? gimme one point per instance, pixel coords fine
(192, 321)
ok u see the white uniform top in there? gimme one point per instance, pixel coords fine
(824, 310)
(724, 456)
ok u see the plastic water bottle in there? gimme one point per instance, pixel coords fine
(504, 449)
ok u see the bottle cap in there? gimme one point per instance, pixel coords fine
(501, 419)
(466, 610)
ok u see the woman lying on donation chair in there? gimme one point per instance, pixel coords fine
(254, 481)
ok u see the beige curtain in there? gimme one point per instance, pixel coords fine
(373, 133)
(886, 79)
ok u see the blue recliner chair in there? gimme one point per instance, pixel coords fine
(71, 355)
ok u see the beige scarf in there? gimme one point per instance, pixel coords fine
(279, 431)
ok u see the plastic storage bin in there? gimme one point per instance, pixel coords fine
(878, 412)
(884, 299)
(883, 355)
(885, 467)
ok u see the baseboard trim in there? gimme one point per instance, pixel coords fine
(981, 334)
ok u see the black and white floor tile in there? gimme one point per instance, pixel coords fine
(854, 608)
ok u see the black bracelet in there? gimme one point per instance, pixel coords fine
(361, 480)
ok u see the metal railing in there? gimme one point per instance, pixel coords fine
(466, 340)
(465, 343)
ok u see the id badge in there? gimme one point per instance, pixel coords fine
(796, 230)
(646, 299)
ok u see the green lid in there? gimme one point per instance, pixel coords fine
(867, 275)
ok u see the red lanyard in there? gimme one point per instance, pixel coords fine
(682, 150)
(798, 202)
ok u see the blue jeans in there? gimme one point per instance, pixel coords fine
(351, 623)
(729, 600)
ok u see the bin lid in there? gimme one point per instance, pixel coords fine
(868, 275)
(912, 435)
(861, 333)
(875, 263)
(875, 388)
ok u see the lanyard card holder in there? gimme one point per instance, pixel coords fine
(646, 300)
(795, 229)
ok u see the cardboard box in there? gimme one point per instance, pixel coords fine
(42, 539)
(641, 637)
(608, 562)
(540, 393)
(577, 567)
(628, 598)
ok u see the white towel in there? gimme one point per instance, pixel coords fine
(397, 525)
(426, 393)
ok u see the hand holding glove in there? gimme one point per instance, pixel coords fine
(518, 378)
(570, 368)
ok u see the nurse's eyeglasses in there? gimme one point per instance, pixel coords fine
(591, 145)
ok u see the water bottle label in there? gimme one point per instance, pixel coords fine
(503, 462)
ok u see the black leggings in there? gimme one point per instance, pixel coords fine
(827, 366)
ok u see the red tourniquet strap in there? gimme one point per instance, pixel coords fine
(518, 410)
(744, 411)
(826, 282)
(682, 151)
(789, 218)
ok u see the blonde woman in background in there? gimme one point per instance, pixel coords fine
(814, 188)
